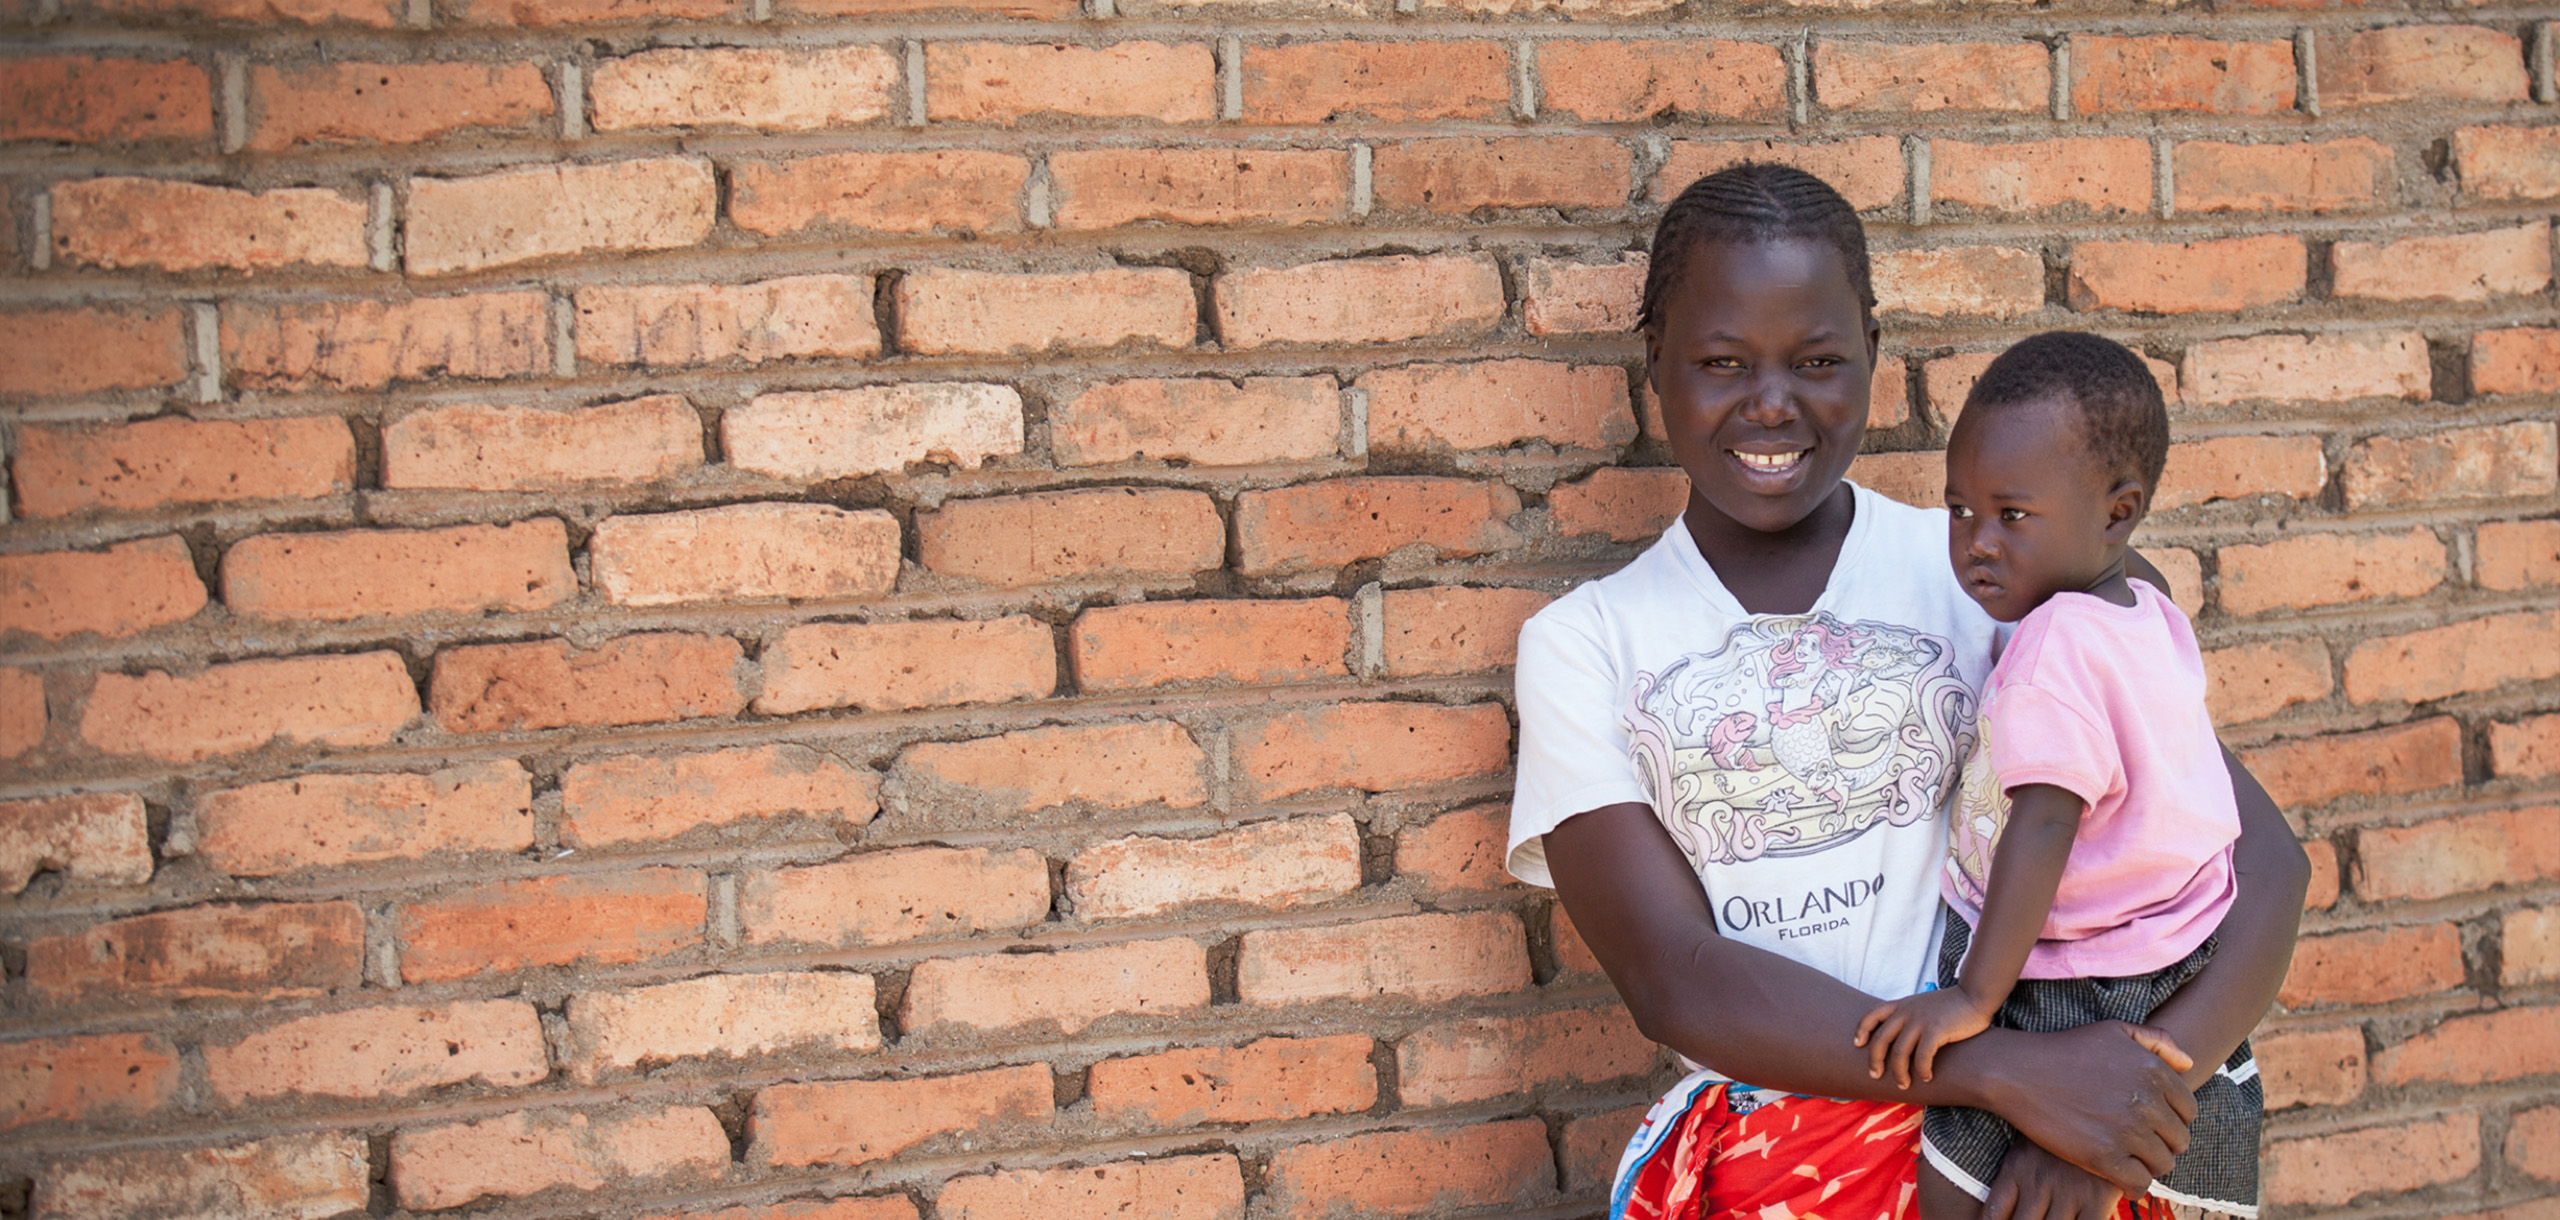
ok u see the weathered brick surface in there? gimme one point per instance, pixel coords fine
(383, 1052)
(2524, 360)
(1147, 646)
(291, 1177)
(305, 105)
(183, 226)
(2530, 746)
(1559, 296)
(2508, 163)
(535, 1150)
(1320, 82)
(766, 88)
(1323, 524)
(1621, 82)
(100, 1077)
(1374, 747)
(357, 574)
(550, 921)
(2176, 73)
(734, 1015)
(1903, 78)
(637, 679)
(357, 345)
(1071, 988)
(65, 469)
(2105, 175)
(2463, 267)
(993, 82)
(1278, 865)
(1498, 402)
(23, 719)
(2458, 854)
(276, 949)
(1200, 186)
(895, 666)
(2475, 1049)
(96, 839)
(806, 316)
(2373, 966)
(2333, 1169)
(1116, 766)
(1464, 174)
(634, 798)
(2318, 1068)
(80, 351)
(1866, 170)
(324, 820)
(1453, 630)
(1010, 541)
(1997, 281)
(2421, 63)
(2255, 681)
(1461, 850)
(524, 215)
(2328, 569)
(1361, 300)
(1592, 1146)
(1411, 1173)
(1472, 1060)
(2159, 277)
(1411, 957)
(2533, 1143)
(1626, 505)
(944, 309)
(127, 588)
(85, 99)
(1270, 1079)
(488, 448)
(2529, 948)
(1209, 1187)
(956, 189)
(2384, 364)
(898, 895)
(742, 552)
(2338, 175)
(1205, 421)
(2502, 461)
(2235, 467)
(851, 1122)
(2476, 655)
(2382, 762)
(357, 699)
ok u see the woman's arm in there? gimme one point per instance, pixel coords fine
(1756, 1016)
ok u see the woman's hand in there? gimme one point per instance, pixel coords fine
(2036, 1185)
(2124, 1113)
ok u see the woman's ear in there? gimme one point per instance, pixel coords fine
(2127, 502)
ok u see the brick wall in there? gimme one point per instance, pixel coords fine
(871, 610)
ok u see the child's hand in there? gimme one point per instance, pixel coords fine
(1914, 1027)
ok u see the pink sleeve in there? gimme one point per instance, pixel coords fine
(2041, 735)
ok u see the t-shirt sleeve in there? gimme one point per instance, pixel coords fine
(1573, 741)
(2048, 733)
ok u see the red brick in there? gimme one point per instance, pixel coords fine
(1911, 78)
(1124, 532)
(1461, 850)
(1626, 82)
(1990, 280)
(2375, 966)
(1867, 171)
(1070, 988)
(376, 13)
(2508, 164)
(127, 588)
(93, 839)
(103, 1077)
(1209, 1187)
(1593, 1145)
(288, 1177)
(2524, 360)
(666, 325)
(352, 699)
(1110, 766)
(944, 310)
(2315, 1068)
(1107, 188)
(2255, 681)
(83, 100)
(2466, 267)
(2421, 63)
(22, 714)
(1561, 297)
(1344, 520)
(993, 82)
(2322, 893)
(540, 13)
(1204, 421)
(1374, 747)
(2530, 746)
(763, 88)
(1918, 478)
(68, 468)
(884, 897)
(2501, 461)
(1274, 865)
(2330, 569)
(1393, 82)
(896, 666)
(354, 574)
(888, 192)
(1275, 1078)
(1413, 1173)
(2321, 368)
(2099, 175)
(736, 1016)
(2480, 1049)
(1036, 10)
(744, 552)
(1462, 174)
(489, 448)
(324, 819)
(183, 226)
(1152, 645)
(365, 345)
(850, 1122)
(271, 950)
(2167, 72)
(1445, 630)
(2458, 855)
(2185, 574)
(2326, 1170)
(383, 1052)
(2161, 277)
(2382, 762)
(553, 211)
(2478, 655)
(1467, 1061)
(1497, 403)
(636, 679)
(551, 921)
(1360, 300)
(2529, 946)
(81, 351)
(1423, 958)
(2238, 467)
(637, 798)
(2533, 1142)
(1627, 505)
(536, 1150)
(840, 434)
(2333, 176)
(361, 103)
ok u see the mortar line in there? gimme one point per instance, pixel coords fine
(1524, 79)
(2060, 67)
(1362, 189)
(914, 56)
(1231, 78)
(234, 103)
(204, 322)
(2545, 89)
(1915, 151)
(2164, 177)
(40, 231)
(2306, 69)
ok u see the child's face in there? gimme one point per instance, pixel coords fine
(1762, 361)
(2029, 513)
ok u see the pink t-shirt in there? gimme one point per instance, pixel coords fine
(2105, 702)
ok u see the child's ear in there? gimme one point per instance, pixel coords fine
(2126, 504)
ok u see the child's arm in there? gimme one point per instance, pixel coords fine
(2026, 869)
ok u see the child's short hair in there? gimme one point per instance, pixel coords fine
(1752, 202)
(2122, 418)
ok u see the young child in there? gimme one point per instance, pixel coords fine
(2096, 774)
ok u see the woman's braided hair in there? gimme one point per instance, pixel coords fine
(1754, 202)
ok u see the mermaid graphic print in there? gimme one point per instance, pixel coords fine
(1799, 733)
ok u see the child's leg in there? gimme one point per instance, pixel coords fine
(1941, 1199)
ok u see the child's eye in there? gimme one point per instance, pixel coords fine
(2013, 514)
(1960, 512)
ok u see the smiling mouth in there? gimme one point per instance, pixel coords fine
(1774, 463)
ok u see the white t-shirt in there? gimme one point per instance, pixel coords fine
(1804, 763)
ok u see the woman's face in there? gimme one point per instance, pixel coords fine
(1763, 362)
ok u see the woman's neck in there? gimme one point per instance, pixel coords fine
(1776, 572)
